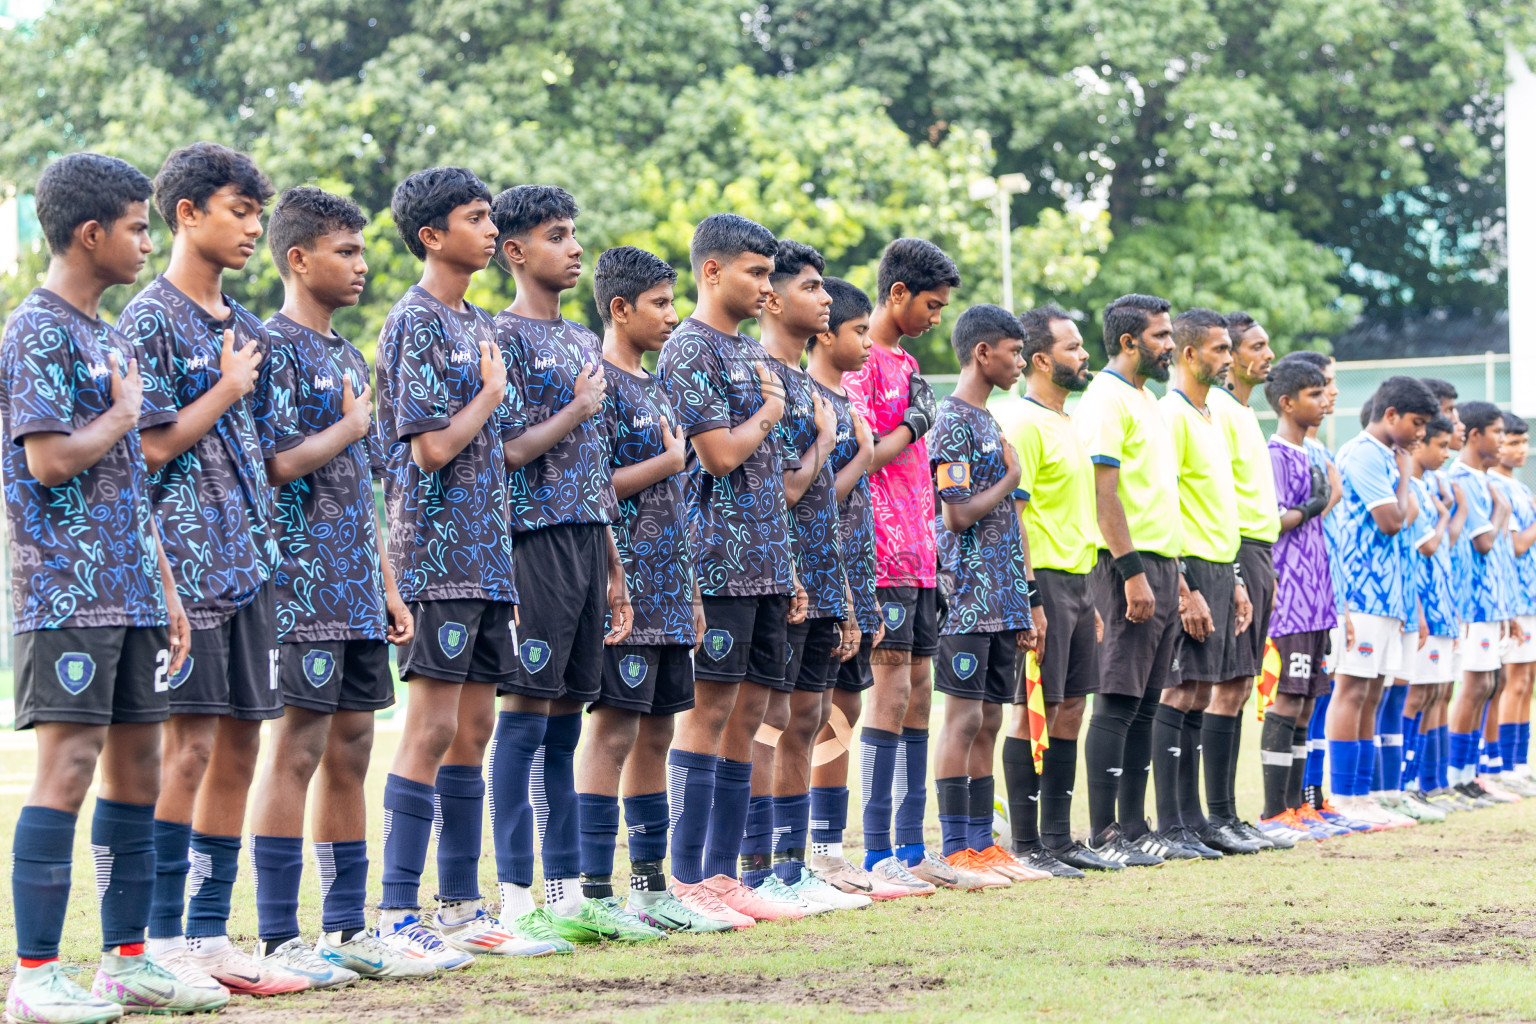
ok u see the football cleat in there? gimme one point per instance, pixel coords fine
(705, 898)
(295, 957)
(775, 888)
(812, 889)
(1282, 825)
(244, 976)
(1333, 816)
(1112, 845)
(1078, 856)
(140, 985)
(1037, 858)
(1160, 844)
(1220, 836)
(893, 874)
(843, 874)
(631, 927)
(1190, 840)
(754, 903)
(1009, 866)
(366, 955)
(972, 874)
(47, 994)
(483, 934)
(1253, 835)
(1308, 815)
(936, 872)
(409, 935)
(665, 911)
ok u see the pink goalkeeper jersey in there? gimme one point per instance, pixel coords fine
(902, 492)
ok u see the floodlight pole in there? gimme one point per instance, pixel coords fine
(1002, 188)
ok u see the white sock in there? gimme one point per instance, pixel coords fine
(160, 947)
(833, 850)
(516, 900)
(206, 944)
(451, 912)
(563, 896)
(389, 918)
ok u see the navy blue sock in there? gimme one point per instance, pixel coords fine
(982, 791)
(728, 816)
(954, 812)
(910, 790)
(757, 841)
(459, 800)
(517, 738)
(691, 797)
(215, 863)
(560, 848)
(168, 900)
(407, 830)
(877, 771)
(829, 813)
(599, 818)
(277, 865)
(1317, 742)
(43, 848)
(791, 819)
(343, 868)
(123, 842)
(645, 818)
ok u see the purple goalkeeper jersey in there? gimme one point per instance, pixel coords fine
(1303, 582)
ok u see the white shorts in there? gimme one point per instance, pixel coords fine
(1377, 650)
(1407, 656)
(1517, 653)
(1480, 647)
(1435, 661)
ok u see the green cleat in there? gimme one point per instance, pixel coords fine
(139, 985)
(538, 925)
(667, 912)
(631, 927)
(593, 923)
(47, 994)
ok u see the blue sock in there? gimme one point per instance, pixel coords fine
(1365, 768)
(691, 797)
(1317, 742)
(645, 817)
(829, 813)
(877, 770)
(954, 798)
(459, 806)
(215, 863)
(727, 817)
(1410, 761)
(1427, 764)
(1523, 743)
(43, 848)
(517, 739)
(123, 843)
(910, 792)
(407, 830)
(343, 869)
(1509, 741)
(554, 798)
(1443, 745)
(1389, 732)
(756, 840)
(1343, 760)
(277, 865)
(599, 815)
(1463, 755)
(791, 819)
(168, 900)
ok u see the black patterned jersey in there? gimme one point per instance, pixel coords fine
(856, 517)
(450, 532)
(652, 528)
(571, 482)
(740, 520)
(82, 553)
(328, 583)
(212, 501)
(818, 554)
(991, 590)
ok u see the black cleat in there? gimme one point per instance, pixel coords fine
(1264, 841)
(1079, 856)
(1035, 856)
(1111, 844)
(1186, 837)
(1220, 836)
(1474, 793)
(1161, 844)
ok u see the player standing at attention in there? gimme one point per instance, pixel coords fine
(1054, 498)
(204, 393)
(914, 281)
(562, 499)
(337, 605)
(729, 403)
(444, 413)
(1519, 655)
(99, 629)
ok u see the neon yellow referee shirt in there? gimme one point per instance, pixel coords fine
(1207, 493)
(1056, 482)
(1119, 425)
(1258, 516)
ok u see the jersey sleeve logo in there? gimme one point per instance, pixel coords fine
(894, 615)
(75, 671)
(632, 670)
(717, 643)
(452, 637)
(965, 664)
(319, 666)
(534, 655)
(954, 474)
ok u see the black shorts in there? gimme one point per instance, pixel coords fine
(1136, 656)
(232, 668)
(463, 640)
(335, 675)
(562, 577)
(1256, 559)
(744, 640)
(1071, 665)
(1215, 659)
(978, 666)
(854, 675)
(92, 675)
(1303, 657)
(911, 617)
(809, 646)
(653, 679)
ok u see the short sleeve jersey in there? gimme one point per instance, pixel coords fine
(450, 534)
(1258, 517)
(901, 491)
(987, 560)
(856, 517)
(213, 503)
(1523, 514)
(1504, 550)
(1207, 492)
(818, 555)
(1432, 573)
(1477, 574)
(1375, 564)
(741, 520)
(1303, 580)
(1056, 482)
(82, 553)
(1323, 459)
(329, 585)
(1120, 425)
(651, 531)
(570, 483)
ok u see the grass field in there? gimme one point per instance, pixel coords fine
(1433, 923)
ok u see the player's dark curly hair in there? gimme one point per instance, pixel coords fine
(982, 324)
(83, 187)
(1037, 331)
(792, 258)
(521, 208)
(1515, 425)
(1410, 397)
(725, 236)
(627, 272)
(1129, 314)
(1289, 378)
(197, 171)
(303, 215)
(848, 303)
(916, 263)
(426, 198)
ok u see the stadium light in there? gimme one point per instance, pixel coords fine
(1002, 188)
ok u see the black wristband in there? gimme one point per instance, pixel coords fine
(1130, 564)
(1035, 599)
(1237, 571)
(1189, 581)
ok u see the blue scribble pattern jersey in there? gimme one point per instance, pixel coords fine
(1432, 573)
(741, 520)
(856, 516)
(1375, 564)
(1478, 576)
(818, 553)
(83, 553)
(212, 501)
(652, 529)
(991, 591)
(1511, 597)
(1523, 514)
(329, 585)
(450, 532)
(570, 483)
